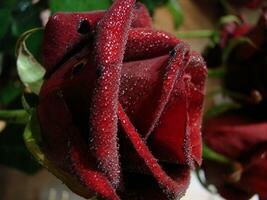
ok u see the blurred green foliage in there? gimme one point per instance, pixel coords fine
(13, 152)
(78, 5)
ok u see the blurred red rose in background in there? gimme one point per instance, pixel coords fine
(240, 135)
(246, 66)
(245, 47)
(243, 140)
(109, 69)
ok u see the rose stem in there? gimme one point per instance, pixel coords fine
(196, 34)
(209, 154)
(14, 116)
(216, 73)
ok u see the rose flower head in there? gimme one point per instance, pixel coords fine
(227, 32)
(243, 49)
(246, 67)
(121, 105)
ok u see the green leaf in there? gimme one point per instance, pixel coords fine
(78, 5)
(14, 116)
(196, 34)
(229, 18)
(5, 19)
(25, 16)
(8, 3)
(176, 12)
(30, 71)
(10, 92)
(210, 154)
(13, 152)
(217, 73)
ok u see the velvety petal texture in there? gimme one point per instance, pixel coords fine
(121, 107)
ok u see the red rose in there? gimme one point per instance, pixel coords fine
(227, 32)
(246, 67)
(109, 69)
(233, 30)
(245, 63)
(243, 140)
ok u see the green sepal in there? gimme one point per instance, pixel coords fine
(30, 71)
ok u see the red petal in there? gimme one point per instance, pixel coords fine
(111, 40)
(62, 138)
(175, 70)
(62, 39)
(171, 139)
(140, 92)
(141, 83)
(141, 16)
(171, 188)
(182, 116)
(198, 72)
(231, 135)
(254, 176)
(252, 180)
(146, 43)
(143, 186)
(253, 3)
(61, 36)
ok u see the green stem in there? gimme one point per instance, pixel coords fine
(210, 154)
(176, 12)
(196, 34)
(14, 116)
(216, 73)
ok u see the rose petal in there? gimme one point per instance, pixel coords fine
(171, 139)
(141, 83)
(231, 135)
(170, 187)
(140, 92)
(61, 36)
(143, 186)
(59, 44)
(255, 166)
(244, 140)
(197, 70)
(62, 138)
(141, 16)
(175, 70)
(146, 43)
(111, 39)
(252, 180)
(181, 118)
